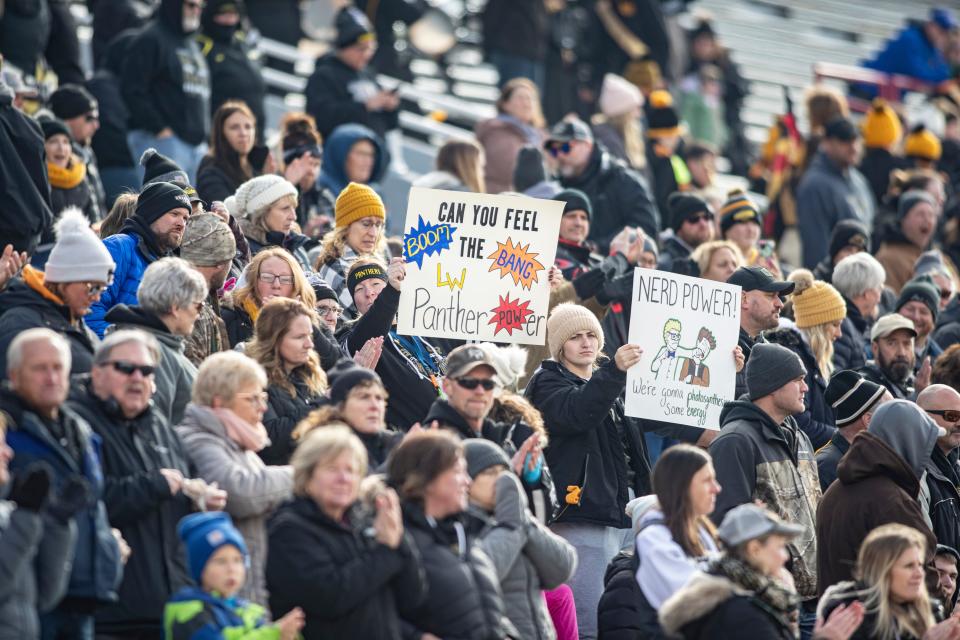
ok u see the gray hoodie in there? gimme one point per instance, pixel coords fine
(908, 430)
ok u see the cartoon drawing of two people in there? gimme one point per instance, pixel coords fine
(684, 364)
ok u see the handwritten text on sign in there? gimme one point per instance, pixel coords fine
(477, 266)
(688, 329)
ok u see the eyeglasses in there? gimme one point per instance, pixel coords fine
(949, 415)
(324, 311)
(377, 224)
(255, 398)
(270, 278)
(472, 383)
(127, 368)
(95, 288)
(556, 149)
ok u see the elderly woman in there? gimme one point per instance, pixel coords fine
(222, 434)
(273, 273)
(283, 345)
(266, 208)
(717, 259)
(350, 569)
(78, 269)
(170, 295)
(859, 279)
(359, 400)
(464, 600)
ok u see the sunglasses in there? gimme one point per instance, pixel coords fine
(127, 368)
(702, 216)
(472, 383)
(556, 149)
(949, 415)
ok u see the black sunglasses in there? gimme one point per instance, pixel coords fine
(700, 216)
(557, 149)
(950, 415)
(127, 368)
(472, 383)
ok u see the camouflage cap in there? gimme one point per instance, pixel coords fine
(208, 241)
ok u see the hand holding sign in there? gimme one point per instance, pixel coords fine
(627, 356)
(396, 272)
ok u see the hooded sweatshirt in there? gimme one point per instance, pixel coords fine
(333, 174)
(336, 94)
(878, 482)
(165, 80)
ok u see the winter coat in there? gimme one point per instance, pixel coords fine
(295, 243)
(910, 53)
(502, 138)
(254, 490)
(675, 255)
(872, 372)
(348, 585)
(825, 196)
(528, 558)
(746, 344)
(875, 486)
(850, 349)
(110, 140)
(213, 183)
(898, 256)
(29, 305)
(516, 28)
(336, 148)
(510, 437)
(378, 446)
(25, 208)
(828, 457)
(165, 79)
(463, 598)
(758, 459)
(236, 71)
(588, 435)
(711, 607)
(818, 420)
(209, 334)
(620, 198)
(175, 374)
(876, 166)
(69, 188)
(411, 392)
(139, 503)
(284, 413)
(336, 94)
(96, 568)
(440, 180)
(943, 480)
(237, 321)
(193, 613)
(623, 612)
(35, 558)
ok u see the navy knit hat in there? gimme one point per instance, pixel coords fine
(849, 233)
(575, 200)
(71, 100)
(920, 289)
(352, 27)
(684, 205)
(52, 126)
(158, 198)
(204, 533)
(345, 376)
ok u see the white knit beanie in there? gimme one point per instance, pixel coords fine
(619, 96)
(258, 194)
(567, 320)
(78, 255)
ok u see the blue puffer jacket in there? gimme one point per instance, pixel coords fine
(97, 570)
(131, 255)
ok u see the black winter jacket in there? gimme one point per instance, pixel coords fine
(849, 350)
(283, 414)
(165, 80)
(295, 243)
(79, 196)
(213, 183)
(592, 442)
(27, 309)
(463, 593)
(675, 256)
(943, 478)
(516, 28)
(818, 420)
(348, 584)
(140, 505)
(620, 198)
(746, 343)
(623, 612)
(110, 141)
(235, 70)
(336, 95)
(872, 372)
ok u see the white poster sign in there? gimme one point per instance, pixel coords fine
(477, 266)
(688, 329)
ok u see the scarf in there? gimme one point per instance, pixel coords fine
(781, 600)
(249, 437)
(69, 177)
(36, 280)
(250, 306)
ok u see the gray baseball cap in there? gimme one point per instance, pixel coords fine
(749, 522)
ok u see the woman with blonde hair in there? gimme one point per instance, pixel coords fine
(717, 259)
(360, 218)
(519, 122)
(618, 125)
(818, 310)
(460, 167)
(283, 345)
(890, 584)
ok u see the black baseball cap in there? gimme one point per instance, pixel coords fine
(567, 130)
(841, 129)
(759, 279)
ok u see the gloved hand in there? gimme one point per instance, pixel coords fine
(31, 487)
(588, 284)
(73, 498)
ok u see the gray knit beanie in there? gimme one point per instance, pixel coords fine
(770, 367)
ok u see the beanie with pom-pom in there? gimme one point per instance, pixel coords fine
(815, 302)
(159, 168)
(923, 144)
(78, 255)
(738, 208)
(881, 126)
(663, 121)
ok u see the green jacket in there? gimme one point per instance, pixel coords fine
(193, 614)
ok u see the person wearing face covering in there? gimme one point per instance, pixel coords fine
(166, 85)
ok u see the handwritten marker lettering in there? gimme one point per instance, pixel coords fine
(513, 260)
(451, 282)
(510, 315)
(426, 239)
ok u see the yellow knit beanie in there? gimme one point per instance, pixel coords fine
(881, 126)
(358, 201)
(921, 143)
(565, 321)
(815, 302)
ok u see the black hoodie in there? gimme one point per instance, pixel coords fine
(165, 80)
(110, 141)
(336, 95)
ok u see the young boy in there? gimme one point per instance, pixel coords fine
(217, 558)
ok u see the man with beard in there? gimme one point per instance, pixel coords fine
(920, 302)
(208, 246)
(154, 231)
(892, 339)
(760, 306)
(938, 492)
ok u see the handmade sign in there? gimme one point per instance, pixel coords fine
(688, 329)
(477, 266)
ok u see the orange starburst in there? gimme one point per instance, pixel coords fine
(514, 260)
